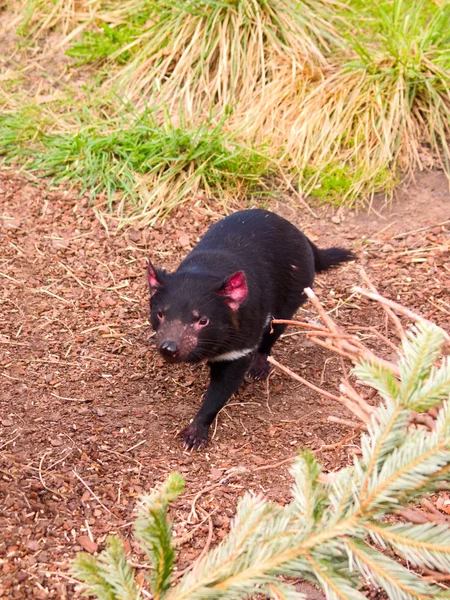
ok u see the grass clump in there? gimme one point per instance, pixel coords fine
(155, 166)
(210, 53)
(387, 110)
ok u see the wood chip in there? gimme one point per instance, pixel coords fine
(86, 543)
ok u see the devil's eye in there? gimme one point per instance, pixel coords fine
(203, 321)
(160, 315)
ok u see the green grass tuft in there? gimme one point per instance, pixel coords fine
(110, 40)
(155, 166)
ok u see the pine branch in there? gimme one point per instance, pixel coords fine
(433, 390)
(153, 531)
(309, 494)
(110, 577)
(426, 545)
(397, 581)
(87, 569)
(421, 348)
(335, 586)
(118, 571)
(222, 569)
(388, 424)
(378, 377)
(278, 591)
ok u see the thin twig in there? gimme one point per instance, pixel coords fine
(228, 474)
(345, 422)
(93, 494)
(209, 540)
(322, 312)
(419, 517)
(10, 441)
(11, 278)
(298, 324)
(277, 464)
(435, 575)
(304, 381)
(405, 233)
(72, 274)
(41, 478)
(352, 394)
(347, 346)
(383, 338)
(349, 437)
(354, 350)
(44, 291)
(299, 196)
(80, 400)
(187, 538)
(323, 448)
(421, 419)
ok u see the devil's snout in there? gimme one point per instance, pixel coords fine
(175, 341)
(169, 349)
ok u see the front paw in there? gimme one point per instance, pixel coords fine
(195, 436)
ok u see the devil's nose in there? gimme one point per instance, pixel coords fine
(169, 348)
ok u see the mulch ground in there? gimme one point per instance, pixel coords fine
(89, 414)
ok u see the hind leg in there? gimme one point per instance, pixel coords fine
(259, 369)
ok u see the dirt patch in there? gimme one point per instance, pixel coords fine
(89, 414)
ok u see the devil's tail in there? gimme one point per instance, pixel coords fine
(330, 257)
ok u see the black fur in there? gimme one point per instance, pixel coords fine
(329, 258)
(248, 268)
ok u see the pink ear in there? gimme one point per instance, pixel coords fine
(235, 290)
(152, 277)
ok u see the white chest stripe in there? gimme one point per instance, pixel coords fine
(233, 355)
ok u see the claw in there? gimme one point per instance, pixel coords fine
(259, 369)
(194, 437)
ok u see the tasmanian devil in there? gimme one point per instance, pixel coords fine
(248, 269)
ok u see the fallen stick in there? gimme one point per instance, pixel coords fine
(301, 380)
(354, 407)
